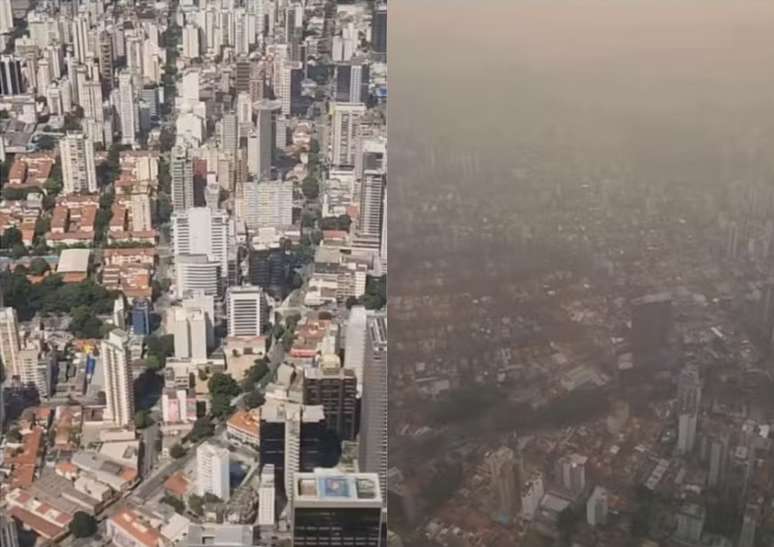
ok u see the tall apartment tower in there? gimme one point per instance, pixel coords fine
(229, 132)
(202, 231)
(6, 17)
(373, 425)
(355, 343)
(688, 400)
(106, 59)
(191, 47)
(119, 390)
(335, 388)
(79, 173)
(372, 204)
(9, 342)
(212, 471)
(352, 82)
(505, 470)
(11, 76)
(268, 203)
(190, 334)
(127, 108)
(247, 311)
(197, 274)
(379, 31)
(346, 119)
(181, 175)
(36, 368)
(261, 143)
(337, 509)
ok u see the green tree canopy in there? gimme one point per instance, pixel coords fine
(177, 451)
(83, 525)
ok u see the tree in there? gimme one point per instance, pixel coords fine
(567, 523)
(177, 451)
(83, 525)
(39, 266)
(308, 219)
(254, 399)
(196, 504)
(254, 374)
(46, 142)
(11, 237)
(221, 406)
(14, 435)
(223, 384)
(287, 340)
(311, 188)
(84, 324)
(209, 497)
(375, 297)
(18, 251)
(202, 429)
(163, 209)
(142, 419)
(177, 504)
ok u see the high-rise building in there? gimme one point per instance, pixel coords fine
(9, 342)
(335, 388)
(247, 310)
(119, 391)
(191, 47)
(127, 108)
(229, 132)
(690, 523)
(372, 204)
(190, 333)
(6, 19)
(290, 436)
(373, 423)
(379, 30)
(752, 512)
(572, 472)
(181, 175)
(36, 369)
(119, 312)
(651, 325)
(80, 37)
(141, 317)
(267, 204)
(688, 400)
(355, 342)
(9, 534)
(334, 509)
(718, 446)
(11, 76)
(261, 144)
(197, 274)
(106, 58)
(346, 118)
(79, 173)
(505, 469)
(287, 86)
(212, 471)
(352, 82)
(596, 507)
(202, 231)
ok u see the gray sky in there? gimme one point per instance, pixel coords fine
(666, 88)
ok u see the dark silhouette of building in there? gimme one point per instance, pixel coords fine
(379, 30)
(651, 326)
(141, 317)
(335, 388)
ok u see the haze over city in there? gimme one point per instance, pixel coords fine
(581, 316)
